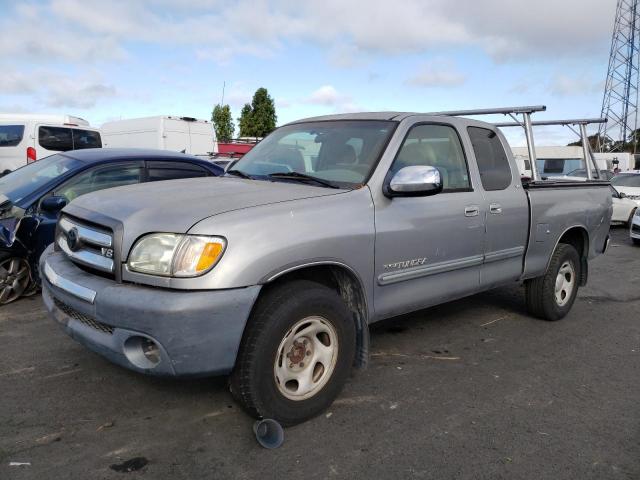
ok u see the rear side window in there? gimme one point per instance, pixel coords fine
(11, 135)
(85, 139)
(57, 139)
(495, 171)
(158, 171)
(61, 139)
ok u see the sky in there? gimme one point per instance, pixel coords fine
(104, 60)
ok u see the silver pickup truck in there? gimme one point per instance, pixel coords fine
(273, 272)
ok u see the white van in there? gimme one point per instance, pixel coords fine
(25, 138)
(180, 134)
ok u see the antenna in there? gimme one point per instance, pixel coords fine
(222, 100)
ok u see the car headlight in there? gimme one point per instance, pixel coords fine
(175, 255)
(638, 212)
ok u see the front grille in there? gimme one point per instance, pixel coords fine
(82, 318)
(87, 246)
(635, 228)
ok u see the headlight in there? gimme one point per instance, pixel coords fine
(638, 212)
(174, 255)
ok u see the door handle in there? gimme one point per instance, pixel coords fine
(471, 211)
(495, 208)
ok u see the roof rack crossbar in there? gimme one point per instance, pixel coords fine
(539, 123)
(586, 146)
(492, 111)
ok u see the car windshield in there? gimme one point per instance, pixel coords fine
(632, 180)
(341, 153)
(25, 180)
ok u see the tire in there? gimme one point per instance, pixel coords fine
(15, 277)
(636, 241)
(548, 297)
(630, 221)
(271, 344)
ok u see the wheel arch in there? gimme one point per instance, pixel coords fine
(578, 237)
(346, 282)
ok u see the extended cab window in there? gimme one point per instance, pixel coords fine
(435, 146)
(57, 139)
(495, 171)
(100, 178)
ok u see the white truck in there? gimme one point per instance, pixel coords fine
(180, 134)
(25, 138)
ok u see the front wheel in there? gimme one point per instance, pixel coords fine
(296, 353)
(15, 277)
(551, 295)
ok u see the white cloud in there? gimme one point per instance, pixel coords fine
(325, 95)
(86, 30)
(328, 96)
(437, 74)
(565, 85)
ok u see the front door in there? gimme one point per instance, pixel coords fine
(429, 249)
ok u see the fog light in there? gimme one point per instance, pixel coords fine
(151, 351)
(142, 352)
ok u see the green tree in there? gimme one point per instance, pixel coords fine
(263, 115)
(245, 123)
(259, 118)
(223, 122)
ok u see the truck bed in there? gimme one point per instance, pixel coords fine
(555, 209)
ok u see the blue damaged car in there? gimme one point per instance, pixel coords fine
(32, 197)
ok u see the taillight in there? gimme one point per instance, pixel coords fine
(31, 154)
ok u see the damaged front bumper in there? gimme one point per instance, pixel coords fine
(147, 329)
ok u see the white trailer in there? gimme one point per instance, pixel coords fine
(180, 134)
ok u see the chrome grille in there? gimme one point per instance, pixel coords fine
(86, 245)
(82, 318)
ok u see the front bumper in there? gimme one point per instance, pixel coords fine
(197, 333)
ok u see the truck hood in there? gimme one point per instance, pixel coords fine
(176, 205)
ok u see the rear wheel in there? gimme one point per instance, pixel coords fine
(296, 353)
(551, 295)
(15, 277)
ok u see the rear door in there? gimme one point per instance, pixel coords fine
(505, 206)
(176, 135)
(201, 138)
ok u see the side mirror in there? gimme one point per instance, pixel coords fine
(622, 195)
(415, 181)
(53, 204)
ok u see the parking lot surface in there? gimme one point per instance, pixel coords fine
(471, 389)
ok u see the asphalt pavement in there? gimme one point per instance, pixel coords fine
(474, 389)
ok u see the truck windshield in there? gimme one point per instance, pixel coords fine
(28, 179)
(341, 152)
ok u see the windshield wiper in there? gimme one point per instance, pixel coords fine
(239, 173)
(303, 177)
